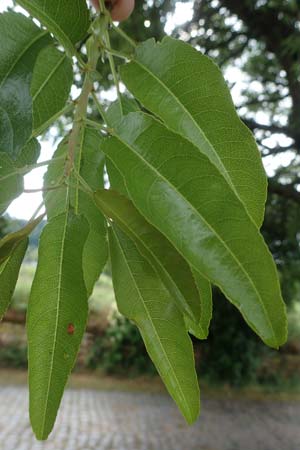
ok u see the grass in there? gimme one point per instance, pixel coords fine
(96, 380)
(153, 385)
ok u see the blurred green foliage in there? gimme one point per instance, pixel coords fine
(13, 355)
(120, 350)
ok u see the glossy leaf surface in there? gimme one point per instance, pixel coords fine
(58, 303)
(142, 298)
(182, 194)
(188, 92)
(9, 271)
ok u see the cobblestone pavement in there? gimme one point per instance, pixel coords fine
(93, 420)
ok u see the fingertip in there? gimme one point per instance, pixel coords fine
(122, 9)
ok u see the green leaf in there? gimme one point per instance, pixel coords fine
(67, 20)
(11, 182)
(55, 201)
(9, 271)
(200, 329)
(142, 298)
(90, 165)
(180, 192)
(29, 155)
(11, 240)
(114, 117)
(188, 92)
(113, 114)
(51, 84)
(11, 178)
(56, 318)
(173, 270)
(21, 40)
(6, 133)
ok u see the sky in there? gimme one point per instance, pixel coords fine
(25, 205)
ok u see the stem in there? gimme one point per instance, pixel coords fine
(33, 191)
(84, 184)
(77, 170)
(106, 39)
(36, 211)
(28, 168)
(98, 126)
(124, 35)
(82, 103)
(118, 54)
(113, 71)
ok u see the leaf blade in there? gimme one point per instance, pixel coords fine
(11, 182)
(50, 86)
(161, 324)
(9, 271)
(196, 103)
(58, 282)
(9, 242)
(22, 41)
(68, 22)
(172, 268)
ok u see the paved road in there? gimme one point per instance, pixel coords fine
(93, 420)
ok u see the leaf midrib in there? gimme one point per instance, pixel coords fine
(51, 25)
(159, 175)
(152, 324)
(203, 135)
(60, 271)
